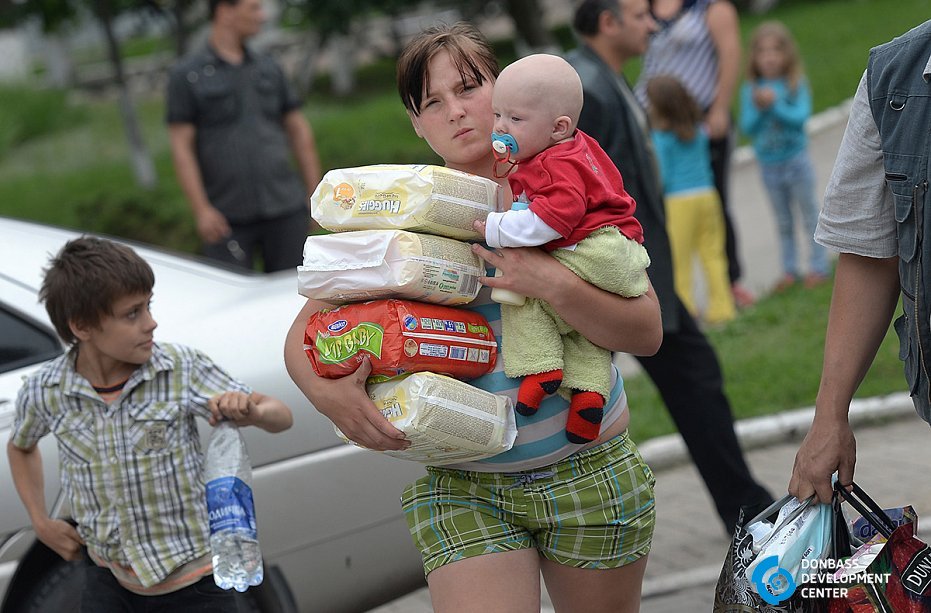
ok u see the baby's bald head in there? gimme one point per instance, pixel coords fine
(546, 81)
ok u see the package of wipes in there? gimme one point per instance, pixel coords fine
(398, 337)
(446, 420)
(372, 264)
(419, 198)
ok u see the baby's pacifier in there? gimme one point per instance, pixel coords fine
(503, 145)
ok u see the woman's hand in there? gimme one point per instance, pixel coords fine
(528, 271)
(345, 402)
(631, 325)
(718, 123)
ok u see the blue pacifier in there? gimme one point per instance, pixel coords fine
(503, 146)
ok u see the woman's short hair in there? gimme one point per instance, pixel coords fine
(468, 48)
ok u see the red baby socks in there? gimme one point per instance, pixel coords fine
(586, 410)
(533, 389)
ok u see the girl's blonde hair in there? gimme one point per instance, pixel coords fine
(793, 70)
(672, 107)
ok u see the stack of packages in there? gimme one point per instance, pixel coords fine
(398, 264)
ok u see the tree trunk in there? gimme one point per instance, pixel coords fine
(307, 70)
(528, 21)
(342, 64)
(142, 165)
(179, 8)
(59, 69)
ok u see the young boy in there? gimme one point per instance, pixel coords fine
(122, 409)
(580, 212)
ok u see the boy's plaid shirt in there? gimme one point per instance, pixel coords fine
(133, 470)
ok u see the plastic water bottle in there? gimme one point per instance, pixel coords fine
(506, 296)
(237, 559)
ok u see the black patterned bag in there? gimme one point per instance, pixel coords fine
(736, 593)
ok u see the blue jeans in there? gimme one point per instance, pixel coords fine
(794, 181)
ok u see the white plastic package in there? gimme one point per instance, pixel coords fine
(420, 198)
(446, 420)
(806, 536)
(372, 264)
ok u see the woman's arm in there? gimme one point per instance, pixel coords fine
(631, 325)
(722, 21)
(343, 401)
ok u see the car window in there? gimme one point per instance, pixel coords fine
(23, 343)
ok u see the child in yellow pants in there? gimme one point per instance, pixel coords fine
(694, 216)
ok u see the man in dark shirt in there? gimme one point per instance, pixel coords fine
(231, 115)
(685, 369)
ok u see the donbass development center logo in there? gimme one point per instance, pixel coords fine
(772, 582)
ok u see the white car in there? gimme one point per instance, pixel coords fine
(330, 525)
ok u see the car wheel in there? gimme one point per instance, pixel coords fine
(59, 590)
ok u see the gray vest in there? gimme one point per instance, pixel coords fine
(900, 100)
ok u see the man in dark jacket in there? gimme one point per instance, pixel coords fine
(686, 369)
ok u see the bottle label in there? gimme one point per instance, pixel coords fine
(230, 506)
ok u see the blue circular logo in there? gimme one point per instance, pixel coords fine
(773, 583)
(410, 322)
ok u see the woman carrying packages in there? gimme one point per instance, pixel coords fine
(582, 515)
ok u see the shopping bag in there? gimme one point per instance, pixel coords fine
(891, 572)
(770, 588)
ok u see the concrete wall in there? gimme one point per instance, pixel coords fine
(14, 60)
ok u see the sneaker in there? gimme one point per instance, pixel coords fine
(743, 297)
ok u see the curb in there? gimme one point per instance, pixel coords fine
(668, 451)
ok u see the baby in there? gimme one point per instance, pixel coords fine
(579, 211)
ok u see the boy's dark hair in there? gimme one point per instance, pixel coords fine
(672, 108)
(585, 21)
(86, 278)
(213, 4)
(470, 52)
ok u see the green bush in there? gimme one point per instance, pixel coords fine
(29, 113)
(140, 216)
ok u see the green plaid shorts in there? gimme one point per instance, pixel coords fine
(594, 509)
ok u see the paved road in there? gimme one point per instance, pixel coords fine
(689, 544)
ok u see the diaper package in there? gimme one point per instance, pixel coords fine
(420, 198)
(372, 264)
(447, 421)
(398, 337)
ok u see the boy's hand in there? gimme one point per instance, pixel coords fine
(234, 406)
(479, 226)
(61, 537)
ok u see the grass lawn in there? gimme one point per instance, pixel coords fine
(771, 356)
